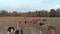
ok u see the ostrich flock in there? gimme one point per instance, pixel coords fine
(22, 24)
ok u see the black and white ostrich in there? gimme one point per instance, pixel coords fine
(41, 24)
(10, 30)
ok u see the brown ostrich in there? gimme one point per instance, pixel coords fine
(19, 28)
(52, 29)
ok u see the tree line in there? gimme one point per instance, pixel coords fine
(38, 13)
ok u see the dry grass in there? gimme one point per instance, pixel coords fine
(5, 22)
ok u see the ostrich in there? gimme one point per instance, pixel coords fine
(26, 22)
(41, 24)
(10, 29)
(52, 29)
(17, 32)
(19, 28)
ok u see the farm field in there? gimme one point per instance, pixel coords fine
(5, 22)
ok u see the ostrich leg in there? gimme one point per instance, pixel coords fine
(21, 31)
(8, 32)
(40, 32)
(52, 31)
(32, 32)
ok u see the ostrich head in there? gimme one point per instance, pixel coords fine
(44, 20)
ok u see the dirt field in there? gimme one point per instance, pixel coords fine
(5, 22)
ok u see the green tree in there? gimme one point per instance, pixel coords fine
(52, 13)
(58, 12)
(14, 13)
(4, 13)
